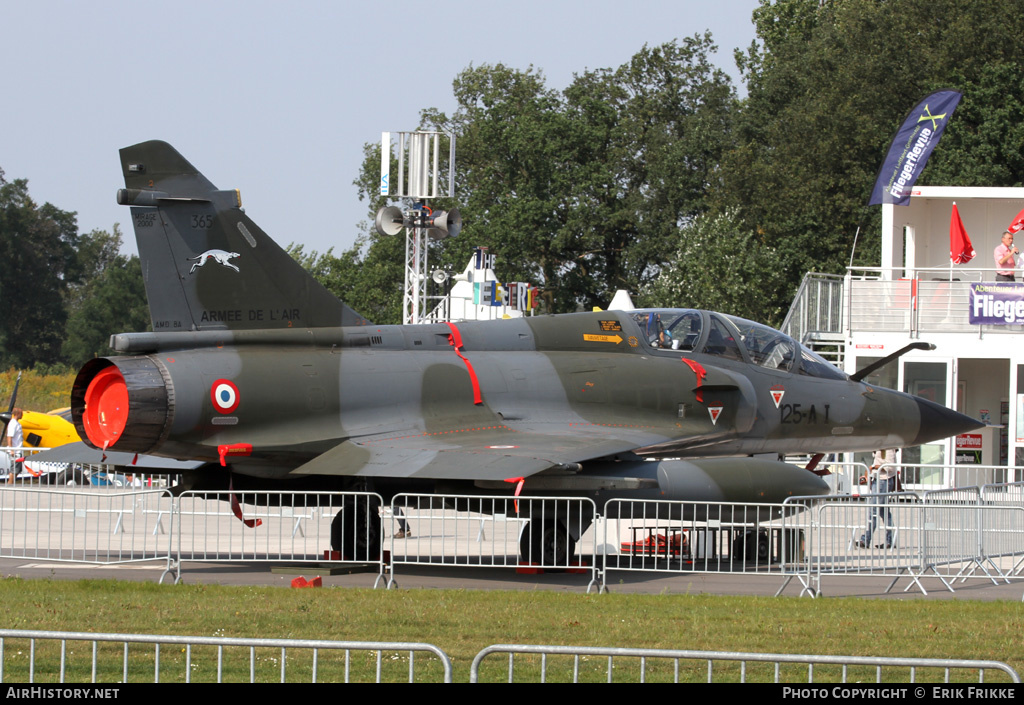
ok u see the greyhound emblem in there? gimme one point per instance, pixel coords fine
(219, 256)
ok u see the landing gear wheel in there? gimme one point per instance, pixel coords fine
(547, 544)
(355, 530)
(751, 545)
(72, 475)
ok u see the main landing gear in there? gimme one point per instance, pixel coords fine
(547, 541)
(355, 531)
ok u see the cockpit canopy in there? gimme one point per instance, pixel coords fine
(732, 338)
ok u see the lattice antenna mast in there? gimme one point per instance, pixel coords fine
(418, 178)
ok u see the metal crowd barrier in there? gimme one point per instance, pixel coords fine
(64, 474)
(312, 527)
(844, 477)
(952, 495)
(1011, 493)
(923, 478)
(531, 533)
(721, 537)
(19, 460)
(123, 658)
(84, 526)
(696, 666)
(946, 534)
(1000, 543)
(211, 659)
(913, 538)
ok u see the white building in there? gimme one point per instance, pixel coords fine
(478, 295)
(918, 295)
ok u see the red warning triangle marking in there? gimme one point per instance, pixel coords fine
(777, 394)
(715, 412)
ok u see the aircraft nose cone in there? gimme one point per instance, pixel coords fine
(939, 422)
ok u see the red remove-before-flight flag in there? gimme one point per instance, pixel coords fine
(961, 251)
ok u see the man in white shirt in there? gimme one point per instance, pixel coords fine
(15, 439)
(882, 473)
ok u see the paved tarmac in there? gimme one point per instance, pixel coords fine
(485, 578)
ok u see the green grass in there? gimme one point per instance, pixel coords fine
(461, 623)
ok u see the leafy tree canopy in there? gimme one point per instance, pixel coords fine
(111, 300)
(829, 84)
(602, 186)
(580, 191)
(37, 258)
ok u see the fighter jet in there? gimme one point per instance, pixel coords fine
(256, 370)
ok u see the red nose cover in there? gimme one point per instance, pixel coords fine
(106, 408)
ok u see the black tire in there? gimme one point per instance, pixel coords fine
(72, 475)
(546, 543)
(355, 530)
(751, 545)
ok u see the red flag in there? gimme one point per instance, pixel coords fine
(961, 251)
(1018, 223)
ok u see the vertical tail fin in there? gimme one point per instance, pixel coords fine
(205, 263)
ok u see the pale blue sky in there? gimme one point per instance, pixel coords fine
(277, 99)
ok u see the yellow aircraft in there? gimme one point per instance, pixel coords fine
(48, 430)
(53, 430)
(39, 430)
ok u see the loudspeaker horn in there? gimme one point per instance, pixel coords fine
(444, 224)
(389, 220)
(439, 276)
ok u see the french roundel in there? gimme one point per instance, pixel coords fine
(224, 395)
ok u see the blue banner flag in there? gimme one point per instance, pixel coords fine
(912, 146)
(996, 304)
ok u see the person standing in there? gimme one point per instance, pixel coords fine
(1005, 256)
(883, 482)
(15, 439)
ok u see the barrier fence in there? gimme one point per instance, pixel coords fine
(211, 659)
(719, 537)
(949, 535)
(1010, 494)
(306, 527)
(61, 474)
(535, 533)
(31, 656)
(844, 477)
(573, 663)
(923, 478)
(912, 538)
(18, 461)
(85, 526)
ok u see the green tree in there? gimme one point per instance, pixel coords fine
(828, 86)
(111, 298)
(649, 138)
(581, 191)
(718, 265)
(514, 178)
(369, 282)
(37, 256)
(95, 251)
(601, 186)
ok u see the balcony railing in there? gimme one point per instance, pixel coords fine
(930, 301)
